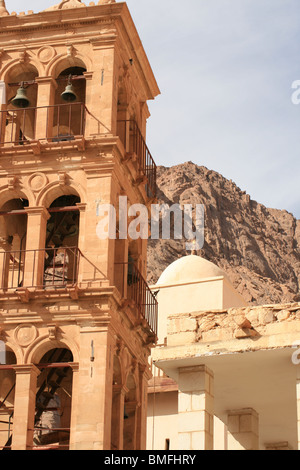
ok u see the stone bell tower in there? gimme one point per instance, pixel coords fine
(77, 318)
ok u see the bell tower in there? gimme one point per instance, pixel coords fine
(77, 318)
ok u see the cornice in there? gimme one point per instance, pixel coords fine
(23, 28)
(59, 18)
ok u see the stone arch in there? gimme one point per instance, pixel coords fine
(20, 72)
(43, 344)
(63, 61)
(13, 231)
(6, 71)
(7, 194)
(16, 350)
(55, 190)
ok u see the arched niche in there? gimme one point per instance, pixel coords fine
(62, 235)
(20, 122)
(68, 118)
(13, 229)
(54, 399)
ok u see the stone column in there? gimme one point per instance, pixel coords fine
(101, 88)
(144, 376)
(74, 403)
(100, 252)
(195, 408)
(130, 426)
(5, 248)
(92, 124)
(117, 420)
(93, 396)
(243, 430)
(44, 113)
(35, 245)
(24, 406)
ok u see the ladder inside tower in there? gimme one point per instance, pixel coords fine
(48, 433)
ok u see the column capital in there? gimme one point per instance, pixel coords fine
(81, 206)
(88, 75)
(46, 80)
(26, 369)
(38, 210)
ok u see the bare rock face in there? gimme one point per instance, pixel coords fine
(259, 248)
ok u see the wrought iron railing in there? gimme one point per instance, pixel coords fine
(134, 142)
(47, 269)
(55, 123)
(133, 287)
(66, 122)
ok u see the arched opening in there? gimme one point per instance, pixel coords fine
(130, 415)
(13, 226)
(7, 394)
(54, 400)
(68, 118)
(61, 261)
(20, 117)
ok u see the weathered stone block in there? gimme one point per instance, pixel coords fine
(283, 315)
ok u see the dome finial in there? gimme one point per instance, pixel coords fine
(3, 10)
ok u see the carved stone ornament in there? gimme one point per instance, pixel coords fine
(22, 56)
(52, 330)
(70, 50)
(37, 181)
(62, 178)
(46, 53)
(12, 182)
(25, 334)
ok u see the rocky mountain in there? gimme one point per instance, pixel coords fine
(259, 248)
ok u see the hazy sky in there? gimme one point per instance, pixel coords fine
(225, 69)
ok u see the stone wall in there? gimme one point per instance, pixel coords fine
(234, 323)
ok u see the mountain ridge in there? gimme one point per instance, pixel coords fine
(258, 247)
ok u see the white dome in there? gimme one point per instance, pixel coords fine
(188, 269)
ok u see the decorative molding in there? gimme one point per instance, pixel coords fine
(12, 182)
(25, 334)
(22, 56)
(37, 181)
(62, 178)
(46, 53)
(52, 331)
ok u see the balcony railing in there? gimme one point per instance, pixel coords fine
(51, 268)
(54, 123)
(66, 122)
(133, 287)
(134, 143)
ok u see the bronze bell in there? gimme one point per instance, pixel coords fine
(69, 94)
(21, 100)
